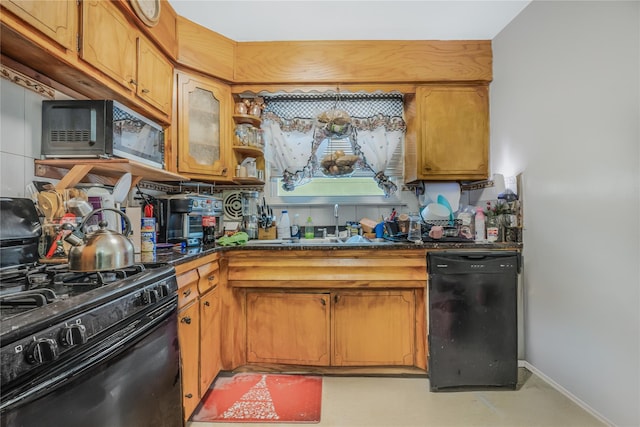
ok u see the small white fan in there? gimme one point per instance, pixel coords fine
(232, 201)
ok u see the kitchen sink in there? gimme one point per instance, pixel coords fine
(332, 241)
(329, 241)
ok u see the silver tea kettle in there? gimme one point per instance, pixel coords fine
(102, 250)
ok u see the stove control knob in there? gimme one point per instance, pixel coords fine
(73, 335)
(150, 296)
(42, 350)
(163, 290)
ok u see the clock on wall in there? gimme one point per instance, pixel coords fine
(147, 10)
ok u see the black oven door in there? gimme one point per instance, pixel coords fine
(131, 378)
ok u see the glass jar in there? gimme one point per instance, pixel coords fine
(415, 228)
(241, 108)
(255, 110)
(493, 228)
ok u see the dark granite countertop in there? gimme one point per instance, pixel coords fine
(175, 256)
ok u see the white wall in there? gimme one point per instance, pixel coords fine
(565, 113)
(20, 136)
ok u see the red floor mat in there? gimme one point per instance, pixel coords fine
(262, 398)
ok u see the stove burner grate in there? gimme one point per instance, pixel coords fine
(33, 286)
(31, 298)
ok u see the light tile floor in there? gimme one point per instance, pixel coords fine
(407, 402)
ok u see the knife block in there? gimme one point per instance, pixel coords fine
(267, 233)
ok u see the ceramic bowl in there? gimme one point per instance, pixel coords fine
(434, 212)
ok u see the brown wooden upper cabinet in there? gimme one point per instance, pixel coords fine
(155, 76)
(115, 47)
(204, 127)
(452, 132)
(55, 19)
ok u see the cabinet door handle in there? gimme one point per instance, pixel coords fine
(188, 395)
(336, 298)
(207, 303)
(133, 82)
(186, 320)
(145, 90)
(322, 301)
(187, 292)
(212, 277)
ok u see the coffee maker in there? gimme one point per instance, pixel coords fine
(179, 217)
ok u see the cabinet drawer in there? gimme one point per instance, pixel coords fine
(208, 276)
(187, 288)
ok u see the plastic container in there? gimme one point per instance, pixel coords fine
(147, 235)
(479, 222)
(415, 228)
(309, 232)
(295, 227)
(283, 228)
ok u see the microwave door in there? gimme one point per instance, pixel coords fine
(73, 130)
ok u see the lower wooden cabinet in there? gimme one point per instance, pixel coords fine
(209, 338)
(373, 328)
(198, 328)
(189, 336)
(285, 327)
(337, 328)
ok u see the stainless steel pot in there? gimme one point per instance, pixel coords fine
(102, 250)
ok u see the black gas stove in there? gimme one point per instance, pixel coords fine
(65, 334)
(29, 287)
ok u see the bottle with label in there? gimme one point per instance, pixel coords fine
(309, 232)
(295, 227)
(479, 222)
(283, 228)
(208, 224)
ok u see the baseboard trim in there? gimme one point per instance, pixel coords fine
(567, 393)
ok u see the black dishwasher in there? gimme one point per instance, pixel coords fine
(473, 334)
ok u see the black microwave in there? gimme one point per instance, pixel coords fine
(102, 129)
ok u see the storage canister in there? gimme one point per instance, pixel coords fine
(148, 235)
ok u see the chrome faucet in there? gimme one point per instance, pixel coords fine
(335, 214)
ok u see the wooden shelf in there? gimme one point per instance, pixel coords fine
(248, 150)
(248, 181)
(72, 171)
(247, 119)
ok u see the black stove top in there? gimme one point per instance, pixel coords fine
(31, 286)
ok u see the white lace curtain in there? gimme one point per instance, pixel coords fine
(377, 129)
(288, 147)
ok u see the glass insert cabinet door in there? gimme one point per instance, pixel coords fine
(204, 115)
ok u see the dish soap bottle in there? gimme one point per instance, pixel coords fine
(295, 227)
(308, 229)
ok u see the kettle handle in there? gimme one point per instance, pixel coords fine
(127, 222)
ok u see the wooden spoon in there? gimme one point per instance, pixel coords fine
(45, 205)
